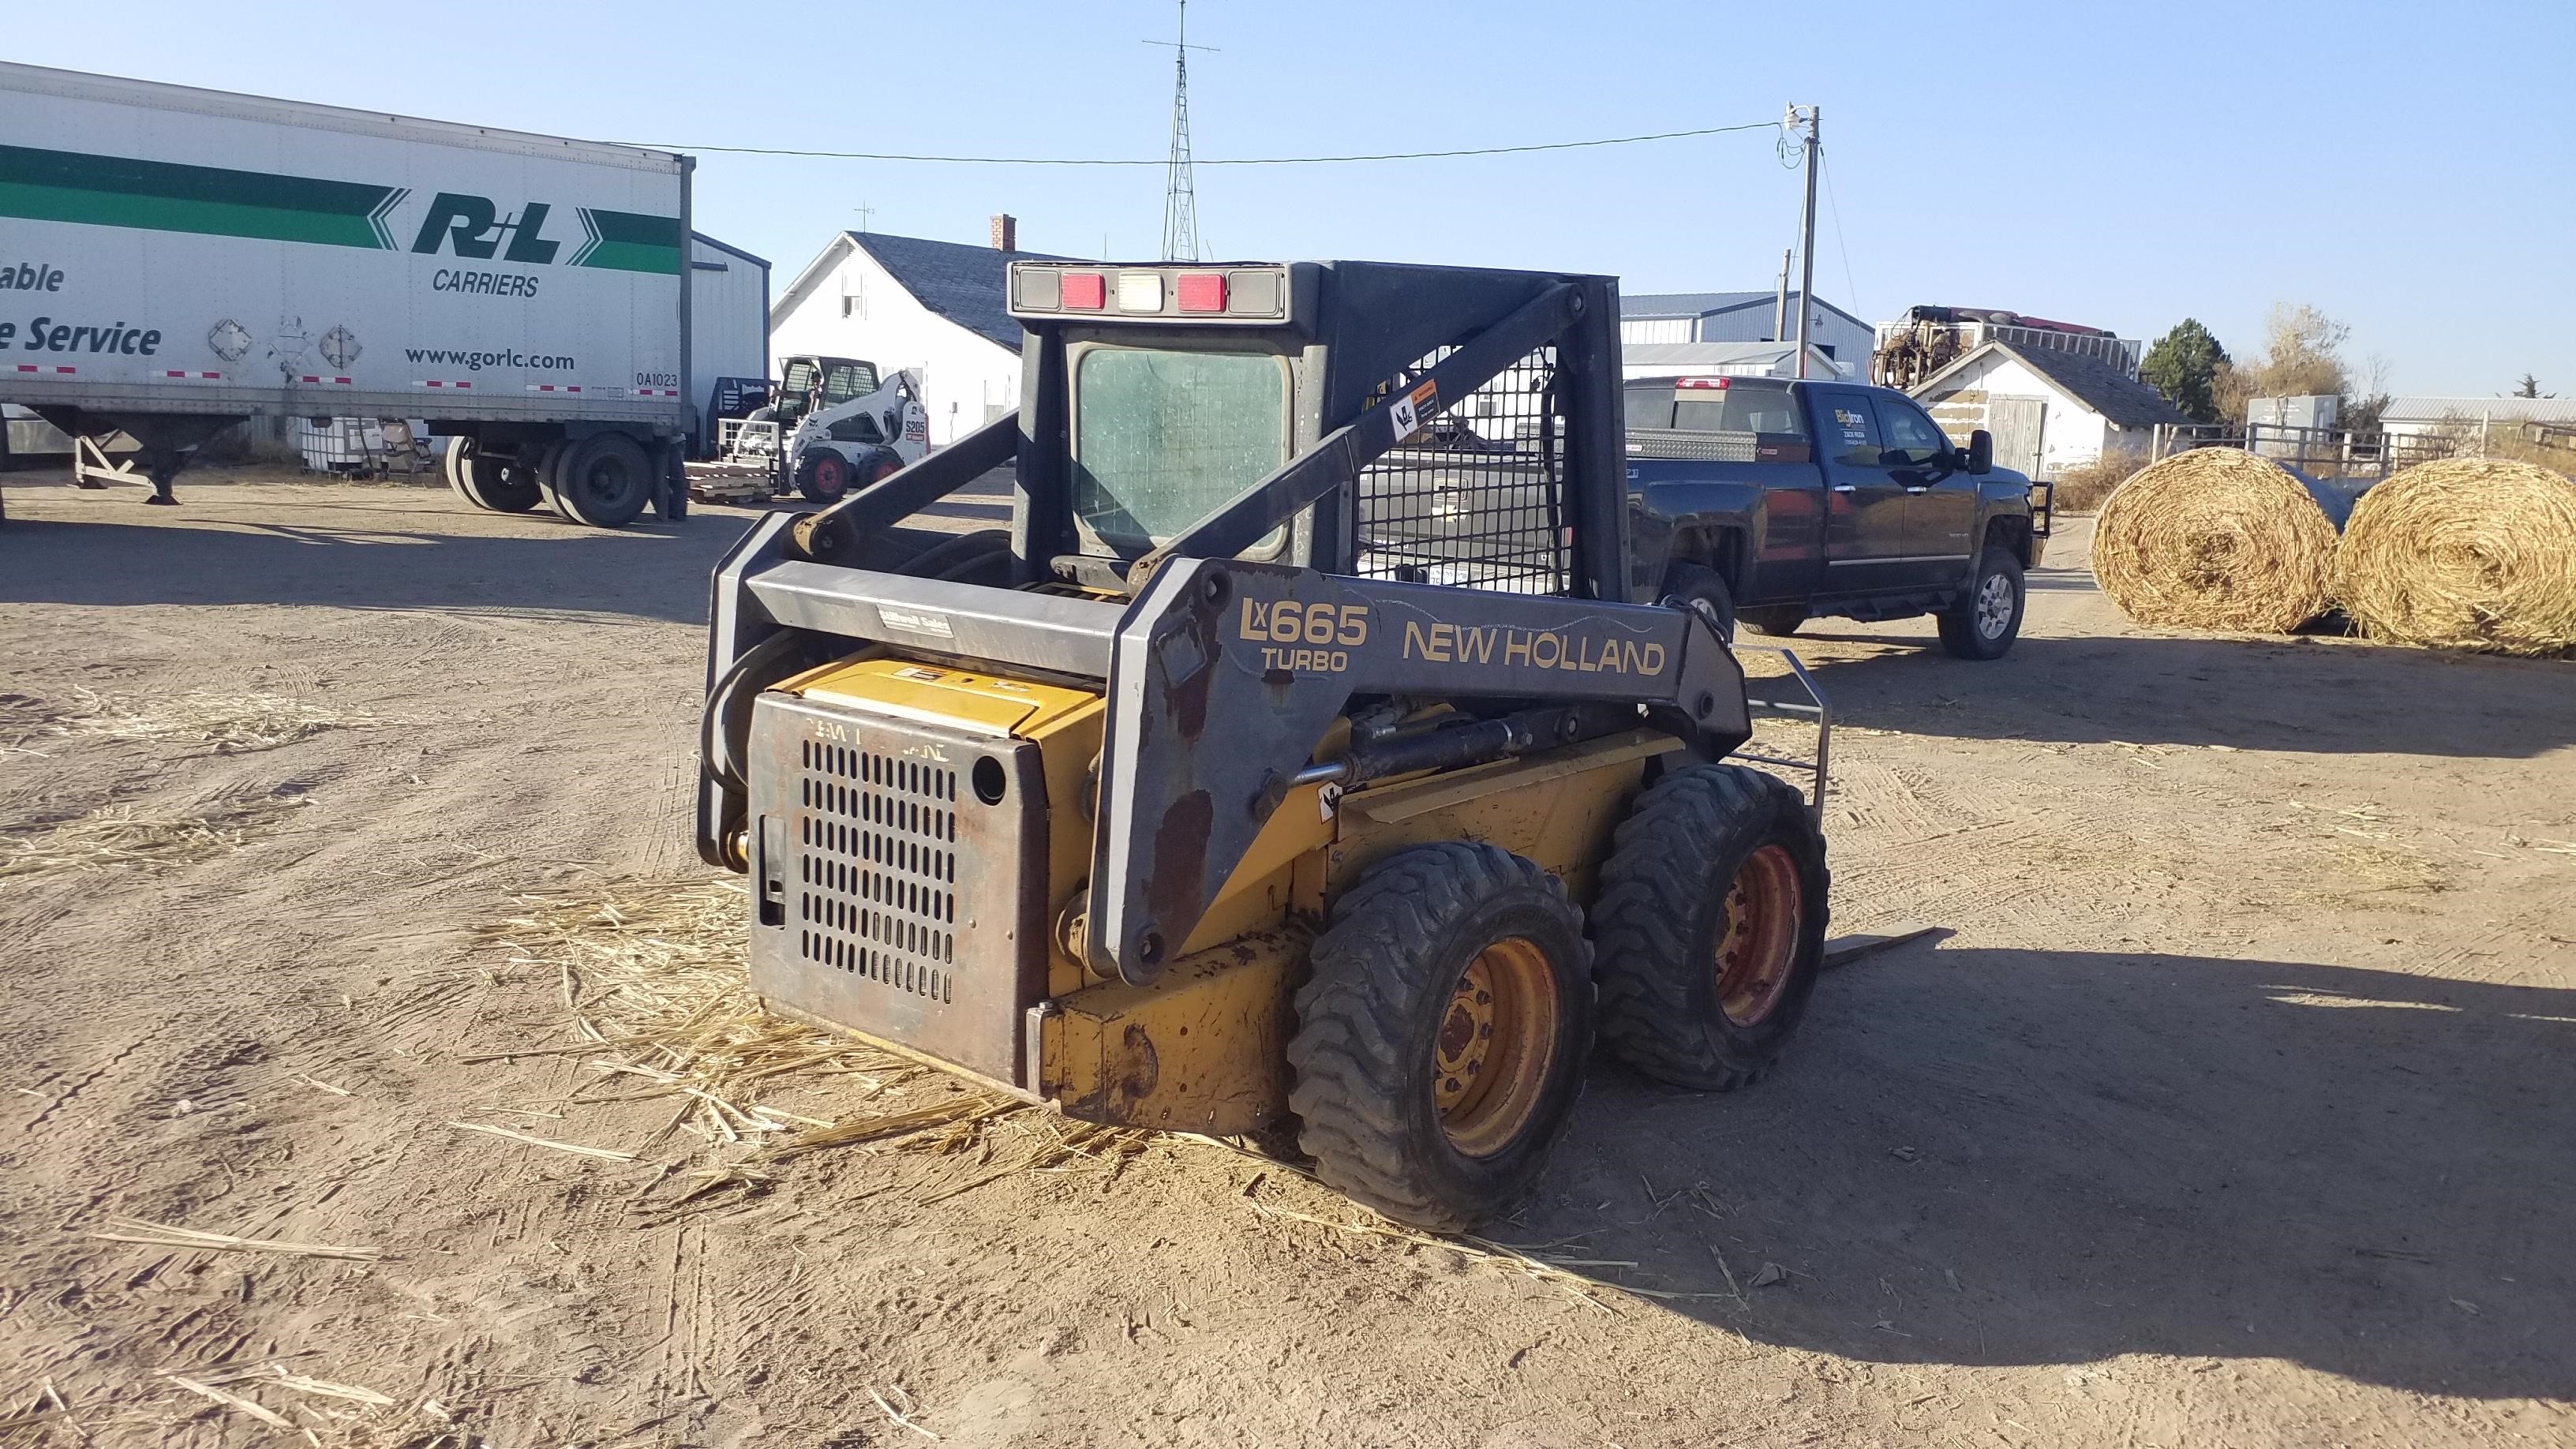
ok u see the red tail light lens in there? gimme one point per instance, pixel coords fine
(1085, 291)
(1201, 291)
(1698, 382)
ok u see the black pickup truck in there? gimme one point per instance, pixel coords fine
(1772, 502)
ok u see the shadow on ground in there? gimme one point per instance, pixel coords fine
(2321, 697)
(652, 570)
(297, 551)
(2019, 1157)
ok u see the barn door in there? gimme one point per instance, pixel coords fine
(2016, 423)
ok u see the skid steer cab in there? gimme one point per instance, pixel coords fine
(1304, 759)
(835, 425)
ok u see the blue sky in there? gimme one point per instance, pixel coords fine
(2405, 168)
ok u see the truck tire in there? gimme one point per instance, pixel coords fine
(823, 476)
(549, 467)
(1987, 618)
(1703, 590)
(495, 483)
(1777, 621)
(604, 480)
(1710, 926)
(1441, 1036)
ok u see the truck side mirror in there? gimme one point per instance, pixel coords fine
(1979, 456)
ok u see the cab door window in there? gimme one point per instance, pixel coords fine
(1909, 440)
(1851, 434)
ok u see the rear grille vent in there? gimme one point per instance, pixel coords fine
(877, 871)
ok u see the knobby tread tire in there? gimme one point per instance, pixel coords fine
(1660, 915)
(1382, 976)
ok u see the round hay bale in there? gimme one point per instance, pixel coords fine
(2216, 538)
(2469, 553)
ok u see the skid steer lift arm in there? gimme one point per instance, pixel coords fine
(1226, 674)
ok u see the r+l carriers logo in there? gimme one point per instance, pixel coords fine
(470, 226)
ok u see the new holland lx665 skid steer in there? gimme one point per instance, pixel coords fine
(1312, 752)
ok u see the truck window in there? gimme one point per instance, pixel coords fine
(1650, 405)
(1854, 433)
(1911, 439)
(1740, 405)
(1160, 438)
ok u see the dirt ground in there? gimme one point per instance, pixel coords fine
(2233, 1104)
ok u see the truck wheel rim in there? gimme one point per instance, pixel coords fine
(1497, 1040)
(606, 482)
(1761, 944)
(1994, 605)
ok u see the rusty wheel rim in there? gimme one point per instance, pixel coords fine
(1763, 911)
(1497, 1040)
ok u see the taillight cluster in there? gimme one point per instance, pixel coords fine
(1232, 294)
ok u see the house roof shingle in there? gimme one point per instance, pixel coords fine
(962, 283)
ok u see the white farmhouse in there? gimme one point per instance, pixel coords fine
(908, 302)
(2049, 411)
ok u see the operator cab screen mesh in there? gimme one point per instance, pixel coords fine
(1162, 438)
(1476, 497)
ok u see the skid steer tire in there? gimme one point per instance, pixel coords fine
(1441, 1037)
(1710, 927)
(823, 476)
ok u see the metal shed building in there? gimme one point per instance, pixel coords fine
(1743, 317)
(728, 316)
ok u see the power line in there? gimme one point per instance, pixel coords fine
(1219, 161)
(1851, 290)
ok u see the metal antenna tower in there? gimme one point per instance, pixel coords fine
(1180, 190)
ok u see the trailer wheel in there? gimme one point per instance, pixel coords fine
(822, 476)
(1710, 928)
(604, 480)
(495, 484)
(548, 470)
(1441, 1037)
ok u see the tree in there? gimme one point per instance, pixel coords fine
(2184, 366)
(2302, 357)
(2529, 387)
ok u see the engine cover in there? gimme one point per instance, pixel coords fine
(899, 866)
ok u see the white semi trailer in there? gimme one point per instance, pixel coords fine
(174, 260)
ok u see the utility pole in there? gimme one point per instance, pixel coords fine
(1180, 187)
(1780, 306)
(1813, 118)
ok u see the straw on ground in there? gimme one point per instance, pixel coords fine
(131, 835)
(170, 1235)
(229, 722)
